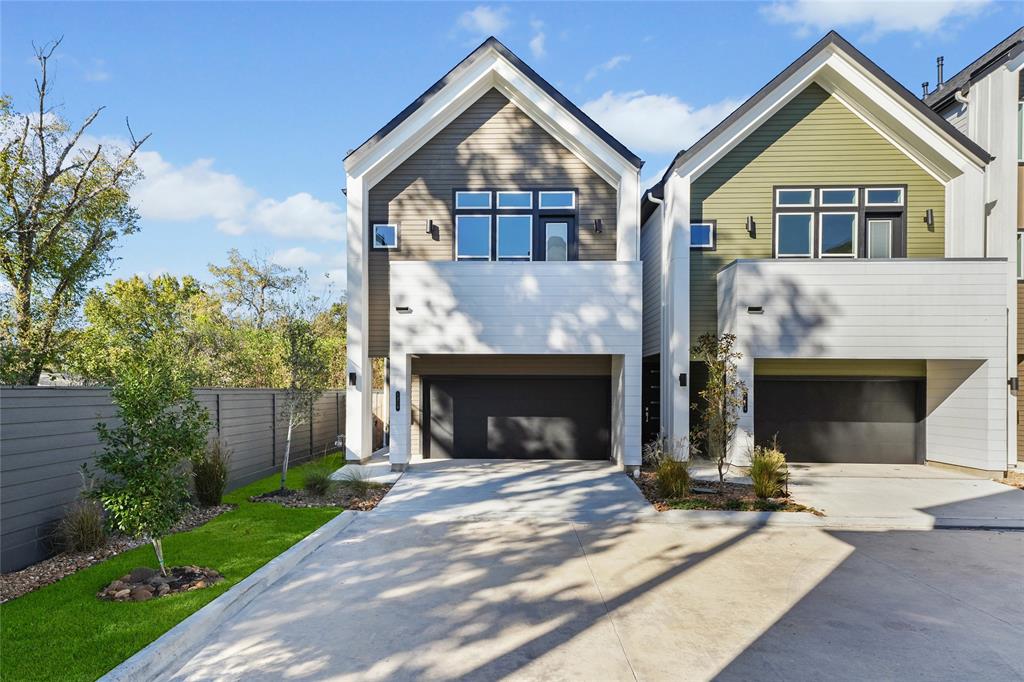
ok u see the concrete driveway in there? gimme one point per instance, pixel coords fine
(484, 571)
(917, 495)
(445, 490)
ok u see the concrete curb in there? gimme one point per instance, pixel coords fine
(805, 520)
(169, 648)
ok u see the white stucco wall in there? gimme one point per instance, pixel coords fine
(521, 308)
(936, 310)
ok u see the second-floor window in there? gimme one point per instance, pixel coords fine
(515, 225)
(839, 222)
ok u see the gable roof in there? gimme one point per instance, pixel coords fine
(830, 39)
(1002, 52)
(519, 64)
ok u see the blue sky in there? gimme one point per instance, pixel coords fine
(252, 106)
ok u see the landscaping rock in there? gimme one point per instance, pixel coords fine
(141, 575)
(180, 579)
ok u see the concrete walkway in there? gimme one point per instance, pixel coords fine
(393, 598)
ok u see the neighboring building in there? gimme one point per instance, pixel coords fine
(835, 225)
(493, 236)
(985, 101)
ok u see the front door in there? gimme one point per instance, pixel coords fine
(556, 239)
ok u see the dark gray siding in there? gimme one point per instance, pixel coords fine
(47, 433)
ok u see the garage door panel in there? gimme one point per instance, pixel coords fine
(517, 418)
(842, 420)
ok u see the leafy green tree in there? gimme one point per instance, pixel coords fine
(307, 362)
(330, 327)
(145, 486)
(722, 396)
(65, 205)
(131, 314)
(255, 288)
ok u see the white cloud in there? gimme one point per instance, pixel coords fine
(296, 257)
(484, 20)
(197, 191)
(613, 63)
(655, 123)
(537, 41)
(876, 17)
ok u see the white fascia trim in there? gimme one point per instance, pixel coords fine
(490, 71)
(867, 98)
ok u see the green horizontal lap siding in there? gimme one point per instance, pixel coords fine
(814, 140)
(491, 145)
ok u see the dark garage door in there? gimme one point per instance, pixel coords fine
(517, 417)
(842, 420)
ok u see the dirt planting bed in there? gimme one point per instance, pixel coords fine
(717, 496)
(346, 497)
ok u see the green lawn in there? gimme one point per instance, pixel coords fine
(63, 632)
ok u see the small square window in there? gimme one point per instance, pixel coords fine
(515, 199)
(838, 236)
(560, 200)
(793, 235)
(385, 236)
(794, 197)
(884, 196)
(473, 237)
(702, 236)
(838, 197)
(472, 200)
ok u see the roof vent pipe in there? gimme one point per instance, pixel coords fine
(938, 66)
(924, 89)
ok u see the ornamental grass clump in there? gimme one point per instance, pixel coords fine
(210, 474)
(317, 481)
(670, 464)
(768, 471)
(81, 529)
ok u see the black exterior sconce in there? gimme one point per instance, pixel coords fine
(682, 379)
(751, 226)
(430, 226)
(1013, 383)
(398, 401)
(403, 309)
(745, 401)
(929, 219)
(598, 227)
(351, 378)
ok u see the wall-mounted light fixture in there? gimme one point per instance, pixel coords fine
(1013, 383)
(744, 401)
(430, 226)
(751, 226)
(403, 309)
(929, 219)
(598, 227)
(398, 401)
(682, 379)
(351, 378)
(755, 310)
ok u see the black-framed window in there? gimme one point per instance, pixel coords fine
(385, 236)
(516, 224)
(839, 221)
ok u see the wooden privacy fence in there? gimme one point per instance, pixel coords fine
(47, 433)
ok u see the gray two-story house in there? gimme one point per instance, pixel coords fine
(493, 261)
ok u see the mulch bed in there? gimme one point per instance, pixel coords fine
(712, 495)
(337, 496)
(31, 578)
(143, 584)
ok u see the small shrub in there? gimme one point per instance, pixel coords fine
(768, 471)
(81, 529)
(210, 474)
(317, 481)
